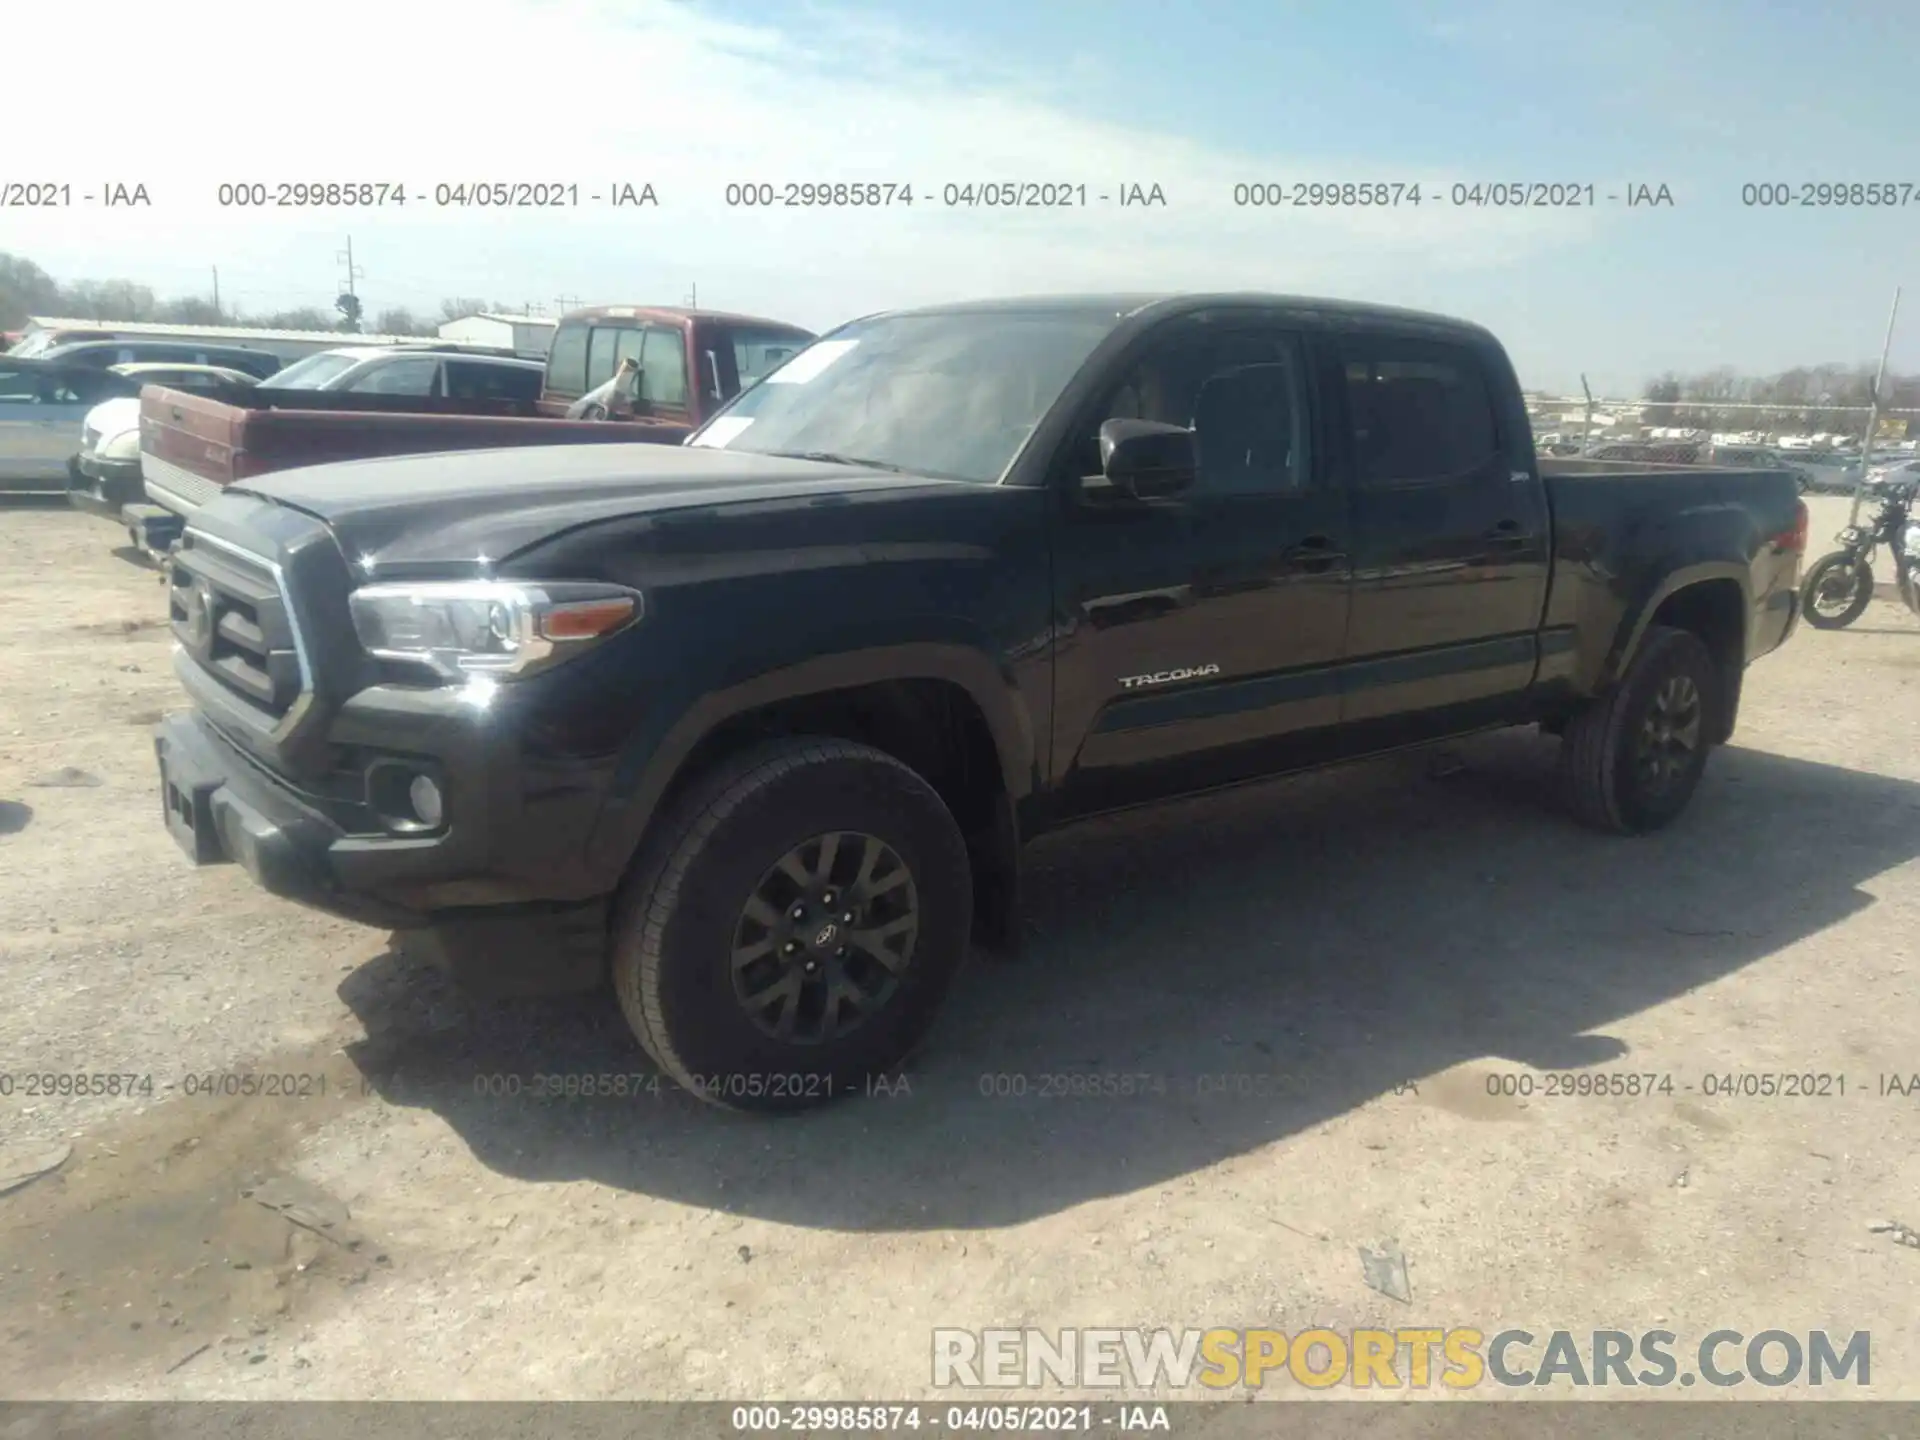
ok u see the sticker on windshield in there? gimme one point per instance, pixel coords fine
(810, 362)
(719, 432)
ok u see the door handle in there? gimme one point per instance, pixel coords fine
(1315, 554)
(1507, 535)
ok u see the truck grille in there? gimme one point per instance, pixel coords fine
(227, 611)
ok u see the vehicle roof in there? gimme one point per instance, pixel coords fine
(212, 334)
(1165, 304)
(126, 342)
(173, 367)
(362, 353)
(41, 362)
(678, 313)
(505, 319)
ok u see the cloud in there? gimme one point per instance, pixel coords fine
(646, 91)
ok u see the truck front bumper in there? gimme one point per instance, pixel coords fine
(221, 810)
(104, 486)
(222, 807)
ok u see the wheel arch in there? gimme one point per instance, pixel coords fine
(944, 710)
(1711, 601)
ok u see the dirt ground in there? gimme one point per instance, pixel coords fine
(1320, 977)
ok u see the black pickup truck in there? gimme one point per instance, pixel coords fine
(756, 726)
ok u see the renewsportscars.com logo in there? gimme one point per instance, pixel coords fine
(1408, 1358)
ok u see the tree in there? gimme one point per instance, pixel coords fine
(193, 310)
(460, 307)
(349, 307)
(306, 317)
(108, 300)
(400, 321)
(25, 289)
(1816, 399)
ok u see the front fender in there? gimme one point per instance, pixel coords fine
(651, 761)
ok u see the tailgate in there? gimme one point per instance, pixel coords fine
(188, 443)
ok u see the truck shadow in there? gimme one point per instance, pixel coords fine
(1256, 963)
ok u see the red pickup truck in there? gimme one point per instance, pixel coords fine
(691, 363)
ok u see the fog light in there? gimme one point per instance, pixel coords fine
(424, 796)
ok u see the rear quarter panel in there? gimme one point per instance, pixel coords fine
(1626, 539)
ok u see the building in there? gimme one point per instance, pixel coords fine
(43, 332)
(522, 334)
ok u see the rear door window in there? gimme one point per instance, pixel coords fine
(468, 380)
(663, 369)
(567, 360)
(414, 376)
(1419, 410)
(604, 348)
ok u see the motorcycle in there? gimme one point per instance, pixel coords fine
(1839, 586)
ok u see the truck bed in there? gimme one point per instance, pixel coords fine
(1622, 531)
(193, 446)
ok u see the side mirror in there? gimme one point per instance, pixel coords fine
(1144, 460)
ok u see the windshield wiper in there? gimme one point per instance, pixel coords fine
(827, 457)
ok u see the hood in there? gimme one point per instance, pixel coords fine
(110, 417)
(473, 505)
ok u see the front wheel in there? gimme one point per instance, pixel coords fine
(791, 931)
(1837, 590)
(1632, 759)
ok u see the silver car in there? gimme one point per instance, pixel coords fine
(42, 404)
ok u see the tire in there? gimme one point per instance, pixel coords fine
(684, 915)
(1603, 768)
(1823, 568)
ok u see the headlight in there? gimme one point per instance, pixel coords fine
(489, 627)
(124, 446)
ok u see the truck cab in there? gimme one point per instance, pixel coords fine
(692, 362)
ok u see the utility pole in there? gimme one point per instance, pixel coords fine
(1873, 413)
(216, 292)
(349, 302)
(693, 297)
(567, 302)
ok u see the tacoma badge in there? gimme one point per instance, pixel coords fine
(1167, 677)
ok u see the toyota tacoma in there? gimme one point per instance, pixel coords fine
(752, 730)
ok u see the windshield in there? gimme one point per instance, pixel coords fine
(948, 395)
(310, 373)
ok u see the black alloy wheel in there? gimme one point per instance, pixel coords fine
(788, 931)
(823, 941)
(1670, 736)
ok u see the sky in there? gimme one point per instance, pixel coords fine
(1194, 98)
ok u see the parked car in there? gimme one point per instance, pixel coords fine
(1760, 457)
(757, 725)
(1899, 472)
(102, 354)
(423, 373)
(190, 448)
(107, 476)
(691, 361)
(42, 404)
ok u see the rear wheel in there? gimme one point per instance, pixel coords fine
(795, 926)
(1632, 760)
(1837, 591)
